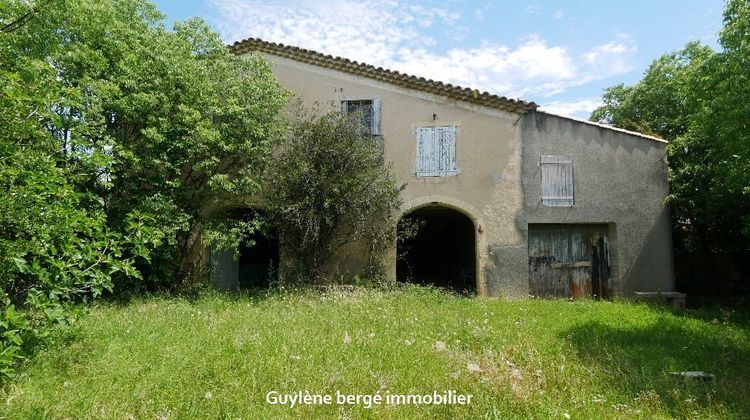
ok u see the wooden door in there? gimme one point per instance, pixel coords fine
(569, 260)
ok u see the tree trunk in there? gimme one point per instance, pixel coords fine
(192, 257)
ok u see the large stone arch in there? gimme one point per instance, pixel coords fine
(473, 214)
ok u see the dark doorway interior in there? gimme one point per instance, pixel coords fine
(259, 255)
(442, 253)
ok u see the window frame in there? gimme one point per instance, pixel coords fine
(375, 129)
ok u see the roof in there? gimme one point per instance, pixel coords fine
(406, 80)
(385, 75)
(609, 127)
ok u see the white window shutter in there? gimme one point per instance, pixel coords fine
(424, 150)
(557, 180)
(376, 117)
(418, 159)
(447, 140)
(436, 151)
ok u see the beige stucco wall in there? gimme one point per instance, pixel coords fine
(487, 186)
(620, 179)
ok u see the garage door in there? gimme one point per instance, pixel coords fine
(569, 260)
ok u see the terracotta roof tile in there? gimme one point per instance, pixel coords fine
(379, 73)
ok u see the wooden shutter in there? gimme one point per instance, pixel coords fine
(436, 151)
(557, 180)
(376, 117)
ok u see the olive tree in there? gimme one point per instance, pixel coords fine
(328, 187)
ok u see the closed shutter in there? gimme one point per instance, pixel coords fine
(376, 117)
(557, 180)
(436, 151)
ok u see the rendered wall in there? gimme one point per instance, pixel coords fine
(619, 179)
(487, 187)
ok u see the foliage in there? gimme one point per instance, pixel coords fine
(519, 359)
(13, 328)
(55, 246)
(662, 103)
(119, 139)
(194, 134)
(696, 99)
(328, 188)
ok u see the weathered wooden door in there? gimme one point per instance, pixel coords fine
(569, 260)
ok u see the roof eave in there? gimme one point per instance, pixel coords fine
(379, 73)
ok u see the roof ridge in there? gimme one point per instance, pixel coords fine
(379, 73)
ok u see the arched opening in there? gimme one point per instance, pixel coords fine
(258, 254)
(442, 252)
(255, 264)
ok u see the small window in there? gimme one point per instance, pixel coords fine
(369, 112)
(557, 180)
(436, 151)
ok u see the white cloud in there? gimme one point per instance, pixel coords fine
(580, 108)
(611, 58)
(479, 12)
(396, 34)
(533, 9)
(559, 14)
(525, 69)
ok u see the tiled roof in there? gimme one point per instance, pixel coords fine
(379, 73)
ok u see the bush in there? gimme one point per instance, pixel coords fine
(119, 140)
(327, 187)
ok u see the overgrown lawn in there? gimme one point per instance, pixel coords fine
(219, 355)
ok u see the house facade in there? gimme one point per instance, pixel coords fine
(512, 201)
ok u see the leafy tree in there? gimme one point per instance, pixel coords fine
(55, 246)
(663, 102)
(194, 126)
(328, 188)
(163, 123)
(119, 140)
(696, 99)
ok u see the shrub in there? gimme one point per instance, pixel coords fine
(327, 187)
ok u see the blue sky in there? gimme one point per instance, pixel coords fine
(560, 54)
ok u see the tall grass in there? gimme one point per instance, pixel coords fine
(219, 356)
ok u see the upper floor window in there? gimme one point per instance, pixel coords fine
(436, 151)
(557, 180)
(369, 112)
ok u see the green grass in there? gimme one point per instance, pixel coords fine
(218, 356)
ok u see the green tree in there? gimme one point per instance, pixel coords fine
(119, 140)
(328, 188)
(55, 246)
(696, 99)
(163, 123)
(663, 102)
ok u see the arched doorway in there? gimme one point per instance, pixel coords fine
(441, 253)
(259, 258)
(255, 264)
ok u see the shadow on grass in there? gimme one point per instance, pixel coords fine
(722, 311)
(125, 298)
(639, 359)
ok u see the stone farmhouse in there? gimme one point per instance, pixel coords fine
(515, 201)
